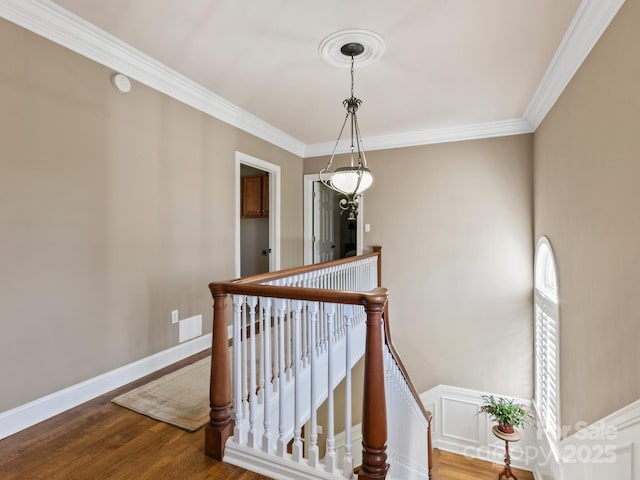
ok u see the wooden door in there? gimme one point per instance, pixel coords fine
(324, 205)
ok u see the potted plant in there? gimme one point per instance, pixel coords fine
(506, 413)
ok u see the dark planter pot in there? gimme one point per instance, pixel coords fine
(508, 429)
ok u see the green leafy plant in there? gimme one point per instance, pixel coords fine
(506, 412)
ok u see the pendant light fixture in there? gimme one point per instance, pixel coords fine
(349, 181)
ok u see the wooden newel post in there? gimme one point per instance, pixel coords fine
(378, 249)
(374, 409)
(220, 427)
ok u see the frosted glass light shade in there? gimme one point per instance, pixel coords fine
(345, 179)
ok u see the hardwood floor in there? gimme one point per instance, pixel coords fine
(100, 440)
(449, 466)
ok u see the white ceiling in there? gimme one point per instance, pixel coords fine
(447, 65)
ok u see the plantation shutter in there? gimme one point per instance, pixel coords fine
(546, 311)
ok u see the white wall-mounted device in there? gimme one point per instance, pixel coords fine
(121, 83)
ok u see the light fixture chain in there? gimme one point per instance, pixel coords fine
(352, 81)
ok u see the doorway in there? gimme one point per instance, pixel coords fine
(257, 234)
(254, 221)
(327, 234)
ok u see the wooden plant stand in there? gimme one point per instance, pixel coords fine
(507, 437)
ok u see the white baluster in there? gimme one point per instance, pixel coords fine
(266, 369)
(368, 275)
(305, 329)
(240, 427)
(339, 308)
(281, 307)
(354, 276)
(331, 278)
(374, 275)
(312, 451)
(347, 465)
(274, 351)
(330, 456)
(288, 342)
(260, 351)
(297, 338)
(321, 319)
(252, 438)
(363, 276)
(324, 318)
(353, 279)
(245, 365)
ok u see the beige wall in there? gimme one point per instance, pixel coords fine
(587, 201)
(455, 223)
(115, 209)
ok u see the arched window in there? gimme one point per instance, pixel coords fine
(547, 367)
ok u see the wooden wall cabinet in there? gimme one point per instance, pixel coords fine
(254, 199)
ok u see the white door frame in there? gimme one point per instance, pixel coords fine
(308, 220)
(274, 208)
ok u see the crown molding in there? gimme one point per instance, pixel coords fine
(501, 128)
(586, 28)
(54, 23)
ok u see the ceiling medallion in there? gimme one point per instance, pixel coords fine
(329, 48)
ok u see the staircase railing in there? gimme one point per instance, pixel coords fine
(297, 334)
(410, 451)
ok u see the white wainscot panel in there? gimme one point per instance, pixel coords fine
(618, 465)
(460, 420)
(605, 450)
(457, 427)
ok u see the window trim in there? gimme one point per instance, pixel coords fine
(546, 302)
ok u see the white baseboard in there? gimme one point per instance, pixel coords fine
(24, 416)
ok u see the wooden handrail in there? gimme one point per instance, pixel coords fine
(290, 272)
(377, 295)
